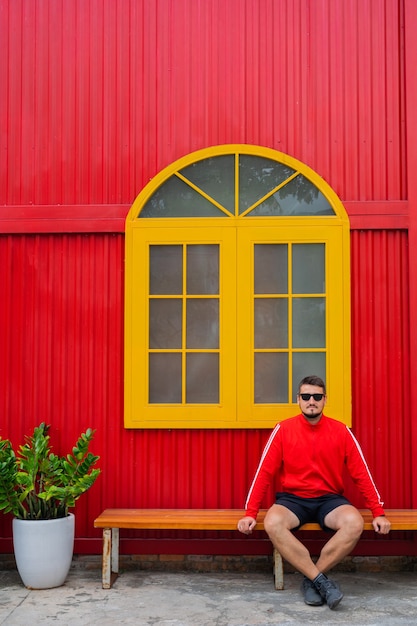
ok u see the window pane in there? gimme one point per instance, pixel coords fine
(308, 268)
(165, 323)
(307, 364)
(309, 323)
(271, 268)
(203, 323)
(202, 378)
(258, 176)
(216, 177)
(271, 323)
(271, 377)
(164, 378)
(269, 207)
(177, 199)
(301, 197)
(165, 264)
(203, 269)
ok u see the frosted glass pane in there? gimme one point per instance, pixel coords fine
(165, 268)
(268, 208)
(308, 268)
(271, 268)
(203, 323)
(203, 269)
(307, 364)
(309, 323)
(257, 177)
(202, 384)
(271, 323)
(271, 377)
(216, 177)
(164, 378)
(165, 323)
(175, 198)
(298, 197)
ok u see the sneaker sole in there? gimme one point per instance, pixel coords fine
(335, 603)
(314, 603)
(318, 602)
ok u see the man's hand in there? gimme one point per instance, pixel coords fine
(246, 525)
(381, 525)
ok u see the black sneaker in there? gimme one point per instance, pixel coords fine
(311, 595)
(328, 590)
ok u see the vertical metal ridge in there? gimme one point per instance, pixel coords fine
(380, 334)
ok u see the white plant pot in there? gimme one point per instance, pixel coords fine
(43, 550)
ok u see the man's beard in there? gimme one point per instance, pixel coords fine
(314, 415)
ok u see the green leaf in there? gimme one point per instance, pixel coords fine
(38, 484)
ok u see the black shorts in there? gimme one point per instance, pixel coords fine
(311, 509)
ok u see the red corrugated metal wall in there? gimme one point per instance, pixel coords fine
(97, 97)
(380, 359)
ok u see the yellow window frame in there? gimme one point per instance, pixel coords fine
(337, 326)
(142, 413)
(236, 235)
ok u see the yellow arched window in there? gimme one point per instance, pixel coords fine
(237, 286)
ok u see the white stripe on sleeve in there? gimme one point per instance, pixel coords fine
(264, 453)
(366, 465)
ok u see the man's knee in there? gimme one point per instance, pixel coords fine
(356, 524)
(278, 519)
(346, 518)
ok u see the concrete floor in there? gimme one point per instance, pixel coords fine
(196, 599)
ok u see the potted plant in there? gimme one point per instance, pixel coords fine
(38, 488)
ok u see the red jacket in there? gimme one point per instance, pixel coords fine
(309, 460)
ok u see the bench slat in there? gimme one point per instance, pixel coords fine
(111, 520)
(171, 519)
(220, 519)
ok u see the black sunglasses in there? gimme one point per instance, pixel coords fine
(307, 396)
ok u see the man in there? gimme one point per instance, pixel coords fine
(309, 452)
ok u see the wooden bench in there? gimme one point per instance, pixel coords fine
(111, 520)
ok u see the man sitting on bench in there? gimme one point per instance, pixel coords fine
(310, 451)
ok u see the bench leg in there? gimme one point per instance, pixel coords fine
(278, 570)
(110, 564)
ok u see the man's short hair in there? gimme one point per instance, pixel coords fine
(315, 381)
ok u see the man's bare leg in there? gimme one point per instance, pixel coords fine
(345, 520)
(278, 523)
(348, 524)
